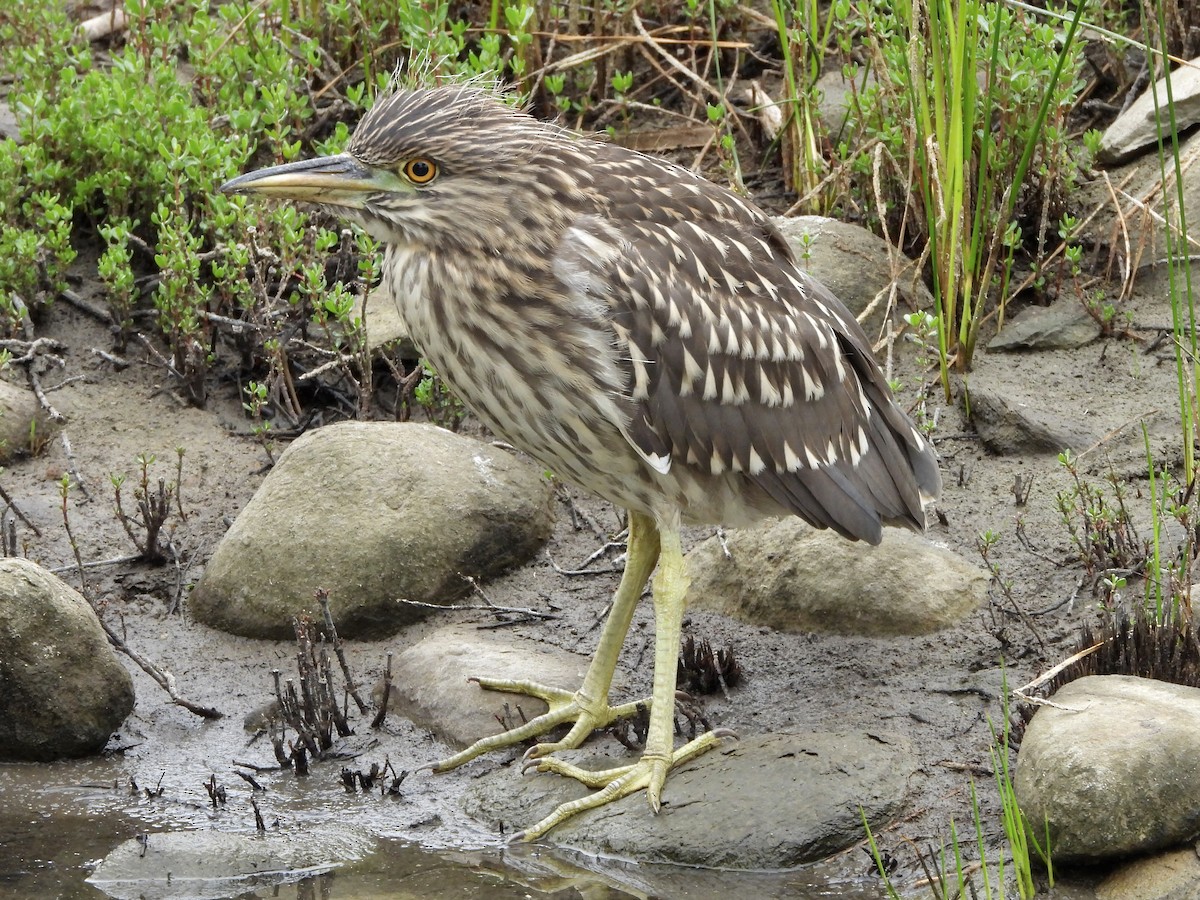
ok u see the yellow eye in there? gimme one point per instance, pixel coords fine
(420, 170)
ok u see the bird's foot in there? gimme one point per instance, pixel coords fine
(565, 706)
(649, 773)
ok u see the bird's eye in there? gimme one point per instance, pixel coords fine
(420, 170)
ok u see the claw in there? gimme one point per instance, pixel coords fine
(564, 706)
(648, 773)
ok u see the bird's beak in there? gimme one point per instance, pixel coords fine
(334, 180)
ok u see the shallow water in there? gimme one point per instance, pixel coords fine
(58, 821)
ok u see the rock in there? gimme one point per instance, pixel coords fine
(1014, 417)
(1141, 218)
(1136, 129)
(430, 685)
(1115, 772)
(1061, 326)
(854, 264)
(384, 325)
(375, 513)
(18, 420)
(63, 692)
(835, 99)
(1166, 876)
(792, 577)
(766, 802)
(9, 128)
(190, 864)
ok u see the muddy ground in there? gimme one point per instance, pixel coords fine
(940, 691)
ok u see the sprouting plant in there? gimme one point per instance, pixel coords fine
(986, 543)
(924, 330)
(64, 493)
(1101, 529)
(924, 334)
(153, 503)
(1072, 250)
(254, 404)
(726, 144)
(39, 437)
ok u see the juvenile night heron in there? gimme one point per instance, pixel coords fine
(639, 331)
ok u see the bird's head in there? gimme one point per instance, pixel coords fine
(447, 165)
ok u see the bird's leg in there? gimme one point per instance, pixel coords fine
(588, 707)
(650, 772)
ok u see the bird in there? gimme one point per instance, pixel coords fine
(641, 332)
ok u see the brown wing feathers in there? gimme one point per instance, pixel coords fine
(749, 366)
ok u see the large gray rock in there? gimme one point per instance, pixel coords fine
(63, 692)
(792, 577)
(765, 802)
(375, 513)
(855, 264)
(1174, 875)
(431, 686)
(1115, 772)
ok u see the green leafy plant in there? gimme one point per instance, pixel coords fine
(439, 403)
(956, 129)
(967, 222)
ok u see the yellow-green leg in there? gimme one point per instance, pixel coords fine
(650, 772)
(588, 707)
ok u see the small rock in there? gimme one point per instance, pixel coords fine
(854, 264)
(1166, 876)
(792, 577)
(191, 864)
(375, 513)
(1060, 326)
(836, 98)
(1115, 772)
(430, 683)
(9, 129)
(384, 325)
(769, 801)
(1014, 418)
(63, 692)
(1137, 128)
(18, 413)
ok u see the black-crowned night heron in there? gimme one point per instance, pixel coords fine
(639, 331)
